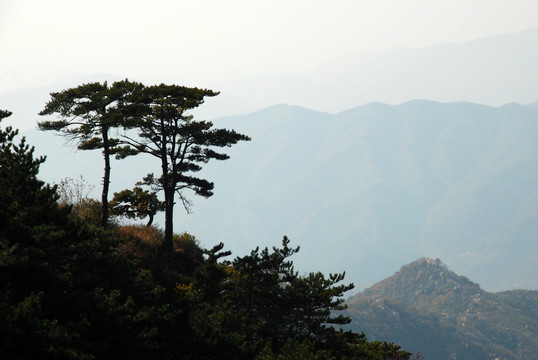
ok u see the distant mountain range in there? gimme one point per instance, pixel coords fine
(494, 71)
(366, 190)
(426, 307)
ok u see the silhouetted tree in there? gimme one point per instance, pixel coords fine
(87, 115)
(279, 304)
(168, 132)
(136, 203)
(4, 114)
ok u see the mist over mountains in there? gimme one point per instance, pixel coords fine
(493, 71)
(366, 190)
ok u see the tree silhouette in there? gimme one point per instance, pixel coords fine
(136, 203)
(87, 115)
(168, 132)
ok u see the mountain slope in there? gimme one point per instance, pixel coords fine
(429, 308)
(366, 190)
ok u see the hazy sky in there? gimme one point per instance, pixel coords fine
(199, 43)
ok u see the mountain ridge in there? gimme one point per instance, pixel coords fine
(383, 184)
(428, 308)
(463, 71)
(467, 71)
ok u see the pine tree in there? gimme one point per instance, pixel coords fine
(166, 131)
(87, 114)
(136, 203)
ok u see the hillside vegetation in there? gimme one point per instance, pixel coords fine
(382, 185)
(428, 307)
(72, 290)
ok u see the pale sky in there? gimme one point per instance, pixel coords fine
(198, 43)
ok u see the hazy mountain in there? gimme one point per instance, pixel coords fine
(426, 307)
(365, 190)
(534, 105)
(495, 70)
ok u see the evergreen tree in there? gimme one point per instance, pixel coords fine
(278, 304)
(28, 208)
(136, 203)
(64, 292)
(259, 307)
(260, 293)
(315, 299)
(4, 114)
(87, 115)
(168, 132)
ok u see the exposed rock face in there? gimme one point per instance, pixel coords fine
(426, 307)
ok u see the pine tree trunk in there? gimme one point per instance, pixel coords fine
(169, 188)
(150, 220)
(106, 177)
(169, 220)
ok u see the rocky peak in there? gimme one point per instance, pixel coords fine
(425, 284)
(425, 306)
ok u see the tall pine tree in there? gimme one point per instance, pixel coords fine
(168, 132)
(87, 115)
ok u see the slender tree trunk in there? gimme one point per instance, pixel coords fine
(106, 177)
(169, 192)
(150, 220)
(169, 220)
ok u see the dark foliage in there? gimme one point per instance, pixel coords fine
(87, 114)
(136, 203)
(71, 290)
(167, 131)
